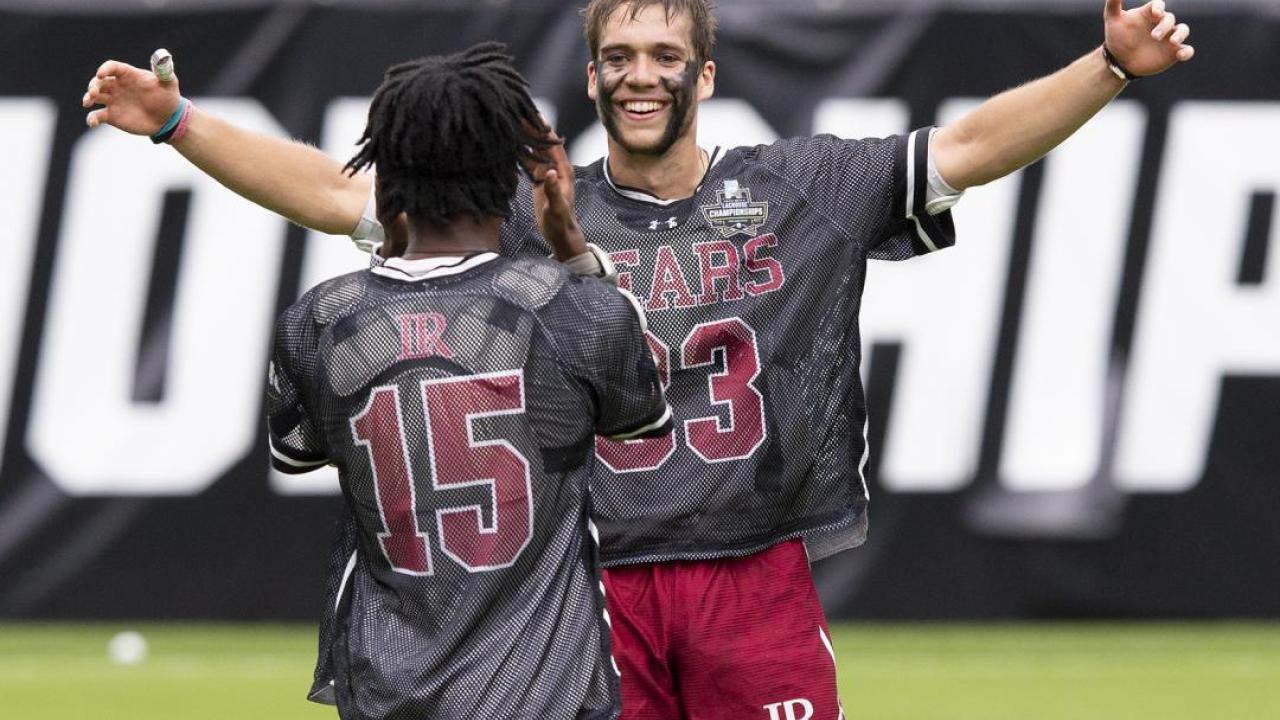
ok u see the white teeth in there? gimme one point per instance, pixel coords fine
(642, 106)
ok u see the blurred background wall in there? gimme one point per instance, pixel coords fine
(1075, 413)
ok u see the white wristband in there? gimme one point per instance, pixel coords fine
(594, 263)
(939, 195)
(369, 235)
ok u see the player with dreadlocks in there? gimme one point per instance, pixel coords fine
(751, 261)
(459, 393)
(480, 117)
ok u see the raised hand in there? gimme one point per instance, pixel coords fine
(1147, 40)
(134, 100)
(553, 198)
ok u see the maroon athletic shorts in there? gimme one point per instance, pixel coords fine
(733, 639)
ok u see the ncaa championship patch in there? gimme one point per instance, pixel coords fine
(734, 213)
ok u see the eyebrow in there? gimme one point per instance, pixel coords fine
(657, 47)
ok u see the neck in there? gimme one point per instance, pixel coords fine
(674, 175)
(463, 236)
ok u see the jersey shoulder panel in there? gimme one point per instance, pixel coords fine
(584, 319)
(873, 186)
(832, 163)
(599, 336)
(591, 172)
(296, 442)
(530, 282)
(329, 300)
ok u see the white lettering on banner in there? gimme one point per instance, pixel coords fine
(1054, 433)
(944, 309)
(860, 118)
(790, 710)
(86, 432)
(1196, 324)
(24, 145)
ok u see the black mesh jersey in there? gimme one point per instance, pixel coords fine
(752, 289)
(460, 410)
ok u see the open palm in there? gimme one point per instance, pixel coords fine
(1147, 40)
(134, 100)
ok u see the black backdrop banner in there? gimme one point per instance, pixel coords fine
(1075, 413)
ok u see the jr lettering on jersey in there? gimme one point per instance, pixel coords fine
(797, 709)
(702, 274)
(421, 336)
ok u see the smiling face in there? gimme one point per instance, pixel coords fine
(647, 80)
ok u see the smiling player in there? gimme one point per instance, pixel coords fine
(750, 262)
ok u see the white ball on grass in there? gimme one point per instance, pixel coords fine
(127, 648)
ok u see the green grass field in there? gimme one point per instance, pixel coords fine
(918, 672)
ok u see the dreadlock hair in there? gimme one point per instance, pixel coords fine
(448, 133)
(701, 15)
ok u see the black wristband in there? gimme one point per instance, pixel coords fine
(1119, 70)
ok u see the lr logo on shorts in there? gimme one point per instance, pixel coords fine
(798, 709)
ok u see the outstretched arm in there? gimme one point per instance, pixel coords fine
(1020, 126)
(287, 177)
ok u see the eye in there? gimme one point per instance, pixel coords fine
(615, 59)
(669, 59)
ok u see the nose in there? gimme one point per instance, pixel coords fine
(644, 73)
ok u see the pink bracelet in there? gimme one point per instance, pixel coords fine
(181, 128)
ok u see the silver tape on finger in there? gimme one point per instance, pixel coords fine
(162, 64)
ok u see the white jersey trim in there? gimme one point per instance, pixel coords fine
(666, 416)
(346, 577)
(862, 464)
(911, 214)
(326, 695)
(285, 458)
(421, 269)
(826, 642)
(645, 197)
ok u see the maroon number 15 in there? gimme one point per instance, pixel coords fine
(457, 460)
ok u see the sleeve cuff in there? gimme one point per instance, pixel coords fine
(653, 428)
(930, 233)
(940, 196)
(293, 462)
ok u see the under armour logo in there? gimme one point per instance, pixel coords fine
(790, 710)
(421, 336)
(672, 223)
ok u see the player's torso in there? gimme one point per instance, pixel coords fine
(450, 418)
(751, 300)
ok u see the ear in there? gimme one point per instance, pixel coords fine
(707, 81)
(592, 91)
